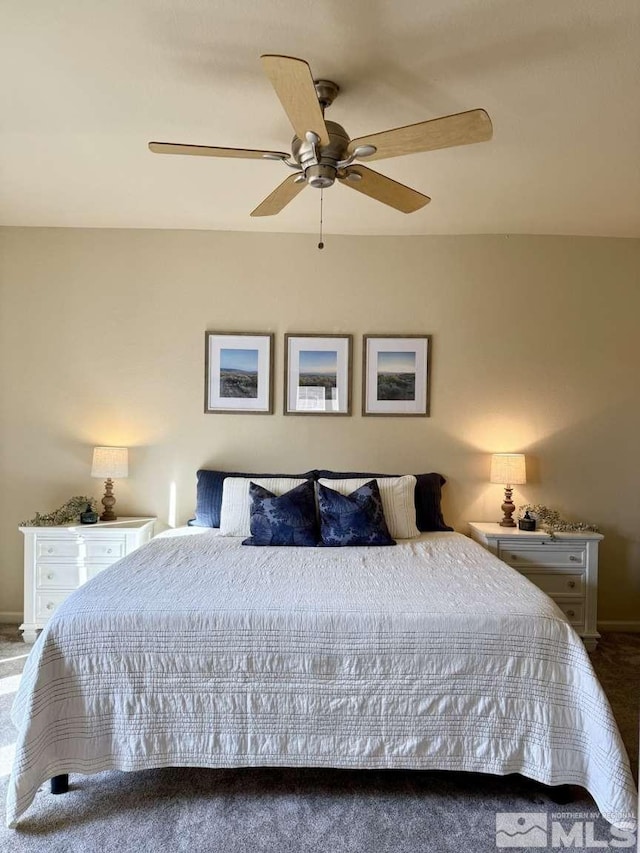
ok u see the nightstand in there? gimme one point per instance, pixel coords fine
(57, 560)
(565, 567)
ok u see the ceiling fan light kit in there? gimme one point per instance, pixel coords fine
(322, 151)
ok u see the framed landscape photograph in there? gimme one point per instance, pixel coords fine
(238, 373)
(395, 375)
(317, 374)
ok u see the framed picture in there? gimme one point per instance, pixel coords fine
(238, 373)
(317, 374)
(395, 375)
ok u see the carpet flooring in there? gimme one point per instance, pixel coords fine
(295, 811)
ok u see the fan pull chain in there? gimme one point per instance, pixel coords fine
(321, 244)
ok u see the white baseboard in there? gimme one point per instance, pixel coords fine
(8, 617)
(632, 626)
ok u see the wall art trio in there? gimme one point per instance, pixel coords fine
(318, 373)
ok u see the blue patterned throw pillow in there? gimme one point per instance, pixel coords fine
(288, 519)
(355, 519)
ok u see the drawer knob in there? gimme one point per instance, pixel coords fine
(50, 605)
(109, 550)
(50, 576)
(571, 584)
(571, 612)
(573, 558)
(514, 556)
(49, 550)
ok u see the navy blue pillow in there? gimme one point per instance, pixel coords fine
(427, 497)
(288, 519)
(355, 519)
(209, 494)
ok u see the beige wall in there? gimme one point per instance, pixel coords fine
(535, 349)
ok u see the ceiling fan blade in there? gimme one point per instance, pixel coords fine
(293, 82)
(384, 189)
(280, 197)
(209, 151)
(445, 132)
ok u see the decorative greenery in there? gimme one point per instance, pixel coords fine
(67, 514)
(551, 520)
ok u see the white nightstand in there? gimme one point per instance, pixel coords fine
(57, 560)
(565, 567)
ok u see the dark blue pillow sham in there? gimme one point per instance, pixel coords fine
(355, 519)
(209, 494)
(427, 496)
(288, 519)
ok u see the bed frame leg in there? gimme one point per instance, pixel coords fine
(561, 794)
(60, 784)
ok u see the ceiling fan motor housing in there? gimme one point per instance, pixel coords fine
(320, 163)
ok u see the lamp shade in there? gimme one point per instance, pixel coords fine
(508, 469)
(110, 462)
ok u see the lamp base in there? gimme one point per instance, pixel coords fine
(508, 508)
(108, 502)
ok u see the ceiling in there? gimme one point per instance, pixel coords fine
(87, 83)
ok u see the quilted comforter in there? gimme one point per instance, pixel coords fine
(196, 651)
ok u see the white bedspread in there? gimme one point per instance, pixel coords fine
(197, 651)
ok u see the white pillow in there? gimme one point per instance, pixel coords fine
(236, 504)
(398, 503)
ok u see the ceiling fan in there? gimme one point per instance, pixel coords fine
(322, 151)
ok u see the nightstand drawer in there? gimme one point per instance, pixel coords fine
(57, 548)
(559, 556)
(559, 583)
(107, 549)
(57, 575)
(574, 611)
(96, 566)
(68, 575)
(48, 602)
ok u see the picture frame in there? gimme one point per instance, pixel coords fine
(396, 375)
(317, 374)
(238, 373)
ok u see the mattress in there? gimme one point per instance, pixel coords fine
(197, 651)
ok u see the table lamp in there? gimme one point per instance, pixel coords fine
(509, 470)
(109, 463)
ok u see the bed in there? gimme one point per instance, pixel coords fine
(433, 654)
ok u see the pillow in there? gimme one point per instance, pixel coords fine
(209, 494)
(288, 519)
(397, 495)
(427, 498)
(236, 503)
(355, 519)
